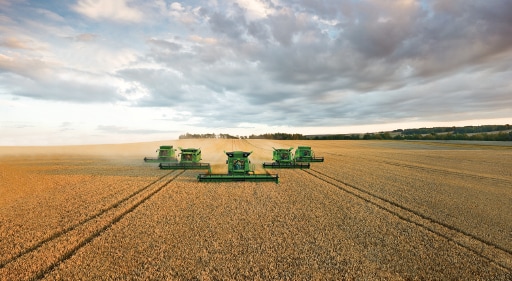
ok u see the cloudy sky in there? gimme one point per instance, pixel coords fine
(95, 71)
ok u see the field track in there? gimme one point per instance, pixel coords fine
(485, 249)
(374, 210)
(42, 257)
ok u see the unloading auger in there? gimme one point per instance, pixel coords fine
(239, 169)
(283, 159)
(190, 159)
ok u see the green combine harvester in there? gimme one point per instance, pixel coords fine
(305, 154)
(239, 169)
(165, 154)
(283, 159)
(190, 159)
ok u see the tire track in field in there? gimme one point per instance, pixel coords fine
(437, 157)
(429, 169)
(485, 249)
(37, 261)
(256, 146)
(69, 228)
(234, 145)
(248, 143)
(500, 180)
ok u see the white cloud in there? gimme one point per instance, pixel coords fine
(115, 10)
(14, 43)
(27, 66)
(301, 66)
(132, 90)
(186, 15)
(203, 40)
(256, 9)
(50, 15)
(177, 6)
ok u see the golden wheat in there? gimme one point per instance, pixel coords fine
(373, 210)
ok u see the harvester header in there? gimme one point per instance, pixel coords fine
(283, 159)
(190, 159)
(239, 169)
(165, 154)
(305, 154)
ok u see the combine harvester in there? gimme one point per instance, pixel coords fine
(189, 160)
(239, 169)
(283, 159)
(305, 154)
(165, 154)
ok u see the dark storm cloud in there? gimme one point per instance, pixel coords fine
(283, 26)
(259, 31)
(392, 56)
(232, 26)
(432, 40)
(327, 9)
(302, 62)
(166, 88)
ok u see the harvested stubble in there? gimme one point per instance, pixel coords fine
(302, 228)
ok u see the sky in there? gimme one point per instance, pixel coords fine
(117, 71)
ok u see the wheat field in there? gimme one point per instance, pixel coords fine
(374, 210)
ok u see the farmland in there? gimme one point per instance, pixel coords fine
(372, 210)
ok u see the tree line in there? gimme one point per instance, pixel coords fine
(270, 136)
(207, 136)
(501, 136)
(456, 130)
(476, 133)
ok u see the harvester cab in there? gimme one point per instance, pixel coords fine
(190, 159)
(283, 158)
(305, 154)
(239, 163)
(239, 169)
(165, 154)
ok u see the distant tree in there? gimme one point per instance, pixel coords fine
(386, 136)
(435, 133)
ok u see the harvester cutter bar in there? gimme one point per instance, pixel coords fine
(185, 166)
(151, 159)
(314, 159)
(159, 160)
(236, 178)
(277, 165)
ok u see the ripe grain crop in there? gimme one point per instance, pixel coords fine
(467, 189)
(372, 210)
(43, 202)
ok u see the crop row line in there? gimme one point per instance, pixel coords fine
(39, 260)
(446, 172)
(437, 158)
(485, 249)
(437, 170)
(256, 146)
(74, 226)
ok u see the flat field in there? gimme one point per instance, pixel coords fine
(392, 210)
